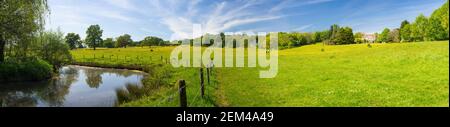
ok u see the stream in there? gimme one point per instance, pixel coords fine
(75, 86)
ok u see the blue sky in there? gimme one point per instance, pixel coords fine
(173, 19)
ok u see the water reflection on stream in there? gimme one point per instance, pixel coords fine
(76, 86)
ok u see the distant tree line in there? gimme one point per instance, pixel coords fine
(94, 39)
(336, 35)
(431, 28)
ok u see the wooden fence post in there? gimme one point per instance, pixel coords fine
(207, 73)
(202, 84)
(182, 90)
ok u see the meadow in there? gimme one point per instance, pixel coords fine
(391, 74)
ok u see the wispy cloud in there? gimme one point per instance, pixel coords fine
(301, 28)
(220, 17)
(125, 4)
(285, 4)
(116, 16)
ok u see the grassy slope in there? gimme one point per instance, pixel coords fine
(413, 74)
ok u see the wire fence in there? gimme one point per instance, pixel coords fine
(121, 59)
(195, 87)
(169, 97)
(143, 61)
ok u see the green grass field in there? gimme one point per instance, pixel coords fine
(398, 74)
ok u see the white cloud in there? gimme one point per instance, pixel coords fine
(116, 15)
(285, 4)
(301, 28)
(221, 16)
(125, 4)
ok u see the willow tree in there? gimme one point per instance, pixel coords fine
(20, 21)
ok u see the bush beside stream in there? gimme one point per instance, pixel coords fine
(35, 70)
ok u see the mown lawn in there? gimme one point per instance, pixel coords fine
(399, 74)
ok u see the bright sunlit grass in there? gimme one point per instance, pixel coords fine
(398, 74)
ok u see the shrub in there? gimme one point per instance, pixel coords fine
(33, 70)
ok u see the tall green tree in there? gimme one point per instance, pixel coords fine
(402, 26)
(53, 49)
(334, 30)
(346, 36)
(435, 31)
(152, 41)
(284, 40)
(405, 33)
(441, 15)
(421, 26)
(438, 23)
(404, 23)
(384, 36)
(94, 36)
(325, 35)
(317, 36)
(123, 41)
(222, 36)
(20, 21)
(416, 35)
(108, 43)
(73, 40)
(341, 35)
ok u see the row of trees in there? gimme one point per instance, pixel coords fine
(294, 39)
(336, 35)
(340, 35)
(94, 39)
(431, 28)
(424, 28)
